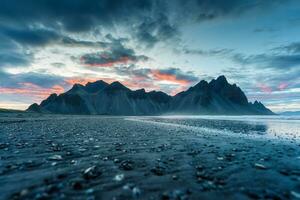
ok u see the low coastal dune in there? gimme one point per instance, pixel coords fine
(98, 157)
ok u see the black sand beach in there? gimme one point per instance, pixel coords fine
(98, 157)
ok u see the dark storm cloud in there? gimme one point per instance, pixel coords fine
(116, 53)
(179, 74)
(152, 31)
(16, 80)
(67, 41)
(292, 48)
(213, 52)
(208, 10)
(152, 20)
(29, 36)
(265, 80)
(279, 62)
(16, 47)
(110, 58)
(30, 86)
(34, 23)
(13, 55)
(34, 37)
(80, 15)
(14, 59)
(279, 58)
(175, 75)
(133, 71)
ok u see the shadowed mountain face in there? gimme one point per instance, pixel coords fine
(215, 97)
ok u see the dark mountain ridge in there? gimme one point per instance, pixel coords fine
(214, 97)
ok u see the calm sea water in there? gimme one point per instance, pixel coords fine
(280, 127)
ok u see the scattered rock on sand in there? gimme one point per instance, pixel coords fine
(98, 170)
(40, 196)
(30, 164)
(284, 172)
(77, 185)
(203, 175)
(136, 192)
(127, 165)
(199, 167)
(175, 177)
(4, 145)
(158, 170)
(253, 194)
(131, 190)
(176, 194)
(91, 173)
(270, 194)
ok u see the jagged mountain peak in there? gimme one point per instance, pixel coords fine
(201, 85)
(116, 86)
(96, 82)
(35, 108)
(50, 99)
(95, 86)
(52, 95)
(222, 78)
(77, 86)
(257, 102)
(219, 83)
(142, 90)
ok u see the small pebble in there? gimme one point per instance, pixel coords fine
(259, 166)
(119, 177)
(55, 157)
(295, 194)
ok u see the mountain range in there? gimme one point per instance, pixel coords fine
(216, 97)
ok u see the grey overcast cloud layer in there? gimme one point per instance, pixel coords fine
(48, 45)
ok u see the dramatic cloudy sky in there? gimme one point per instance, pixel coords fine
(169, 45)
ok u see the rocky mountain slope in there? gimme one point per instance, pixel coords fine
(215, 97)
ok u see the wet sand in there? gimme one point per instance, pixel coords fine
(98, 157)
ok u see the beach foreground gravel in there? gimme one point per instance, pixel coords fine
(99, 157)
